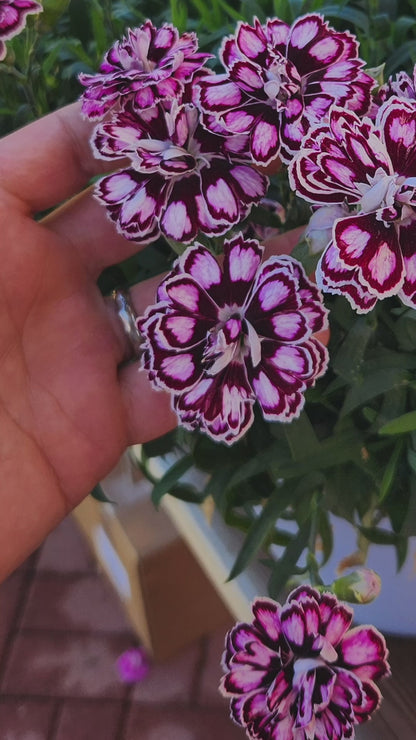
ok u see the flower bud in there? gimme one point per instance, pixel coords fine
(359, 587)
(318, 232)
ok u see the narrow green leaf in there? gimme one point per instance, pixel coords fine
(161, 445)
(400, 425)
(411, 459)
(255, 465)
(350, 357)
(170, 478)
(401, 552)
(179, 13)
(285, 566)
(352, 15)
(301, 437)
(326, 535)
(334, 451)
(217, 486)
(186, 492)
(371, 386)
(380, 536)
(99, 495)
(259, 530)
(390, 471)
(400, 56)
(98, 27)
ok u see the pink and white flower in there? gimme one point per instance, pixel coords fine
(183, 179)
(401, 86)
(148, 65)
(13, 19)
(221, 338)
(281, 79)
(297, 672)
(370, 168)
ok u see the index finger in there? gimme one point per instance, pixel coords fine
(47, 161)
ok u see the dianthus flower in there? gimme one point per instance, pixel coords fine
(297, 672)
(282, 79)
(148, 65)
(183, 179)
(13, 19)
(370, 168)
(401, 86)
(221, 338)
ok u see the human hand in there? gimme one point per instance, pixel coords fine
(67, 408)
(68, 404)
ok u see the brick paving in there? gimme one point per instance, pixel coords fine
(61, 631)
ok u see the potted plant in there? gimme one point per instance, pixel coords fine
(289, 355)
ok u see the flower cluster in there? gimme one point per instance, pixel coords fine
(297, 672)
(13, 19)
(221, 338)
(370, 169)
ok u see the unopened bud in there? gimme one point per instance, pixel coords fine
(359, 587)
(318, 232)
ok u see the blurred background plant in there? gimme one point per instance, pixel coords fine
(352, 452)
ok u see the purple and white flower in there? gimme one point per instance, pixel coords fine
(297, 672)
(221, 338)
(148, 65)
(13, 19)
(370, 168)
(401, 86)
(281, 79)
(183, 179)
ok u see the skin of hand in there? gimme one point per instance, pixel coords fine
(69, 406)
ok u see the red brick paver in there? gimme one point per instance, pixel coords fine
(60, 665)
(89, 720)
(181, 724)
(25, 719)
(74, 602)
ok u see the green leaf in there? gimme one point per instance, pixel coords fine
(255, 465)
(371, 386)
(99, 495)
(411, 459)
(302, 252)
(217, 486)
(380, 536)
(170, 478)
(301, 437)
(161, 445)
(98, 27)
(402, 548)
(186, 492)
(390, 471)
(400, 57)
(352, 15)
(260, 529)
(400, 425)
(179, 13)
(333, 451)
(285, 566)
(326, 535)
(350, 357)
